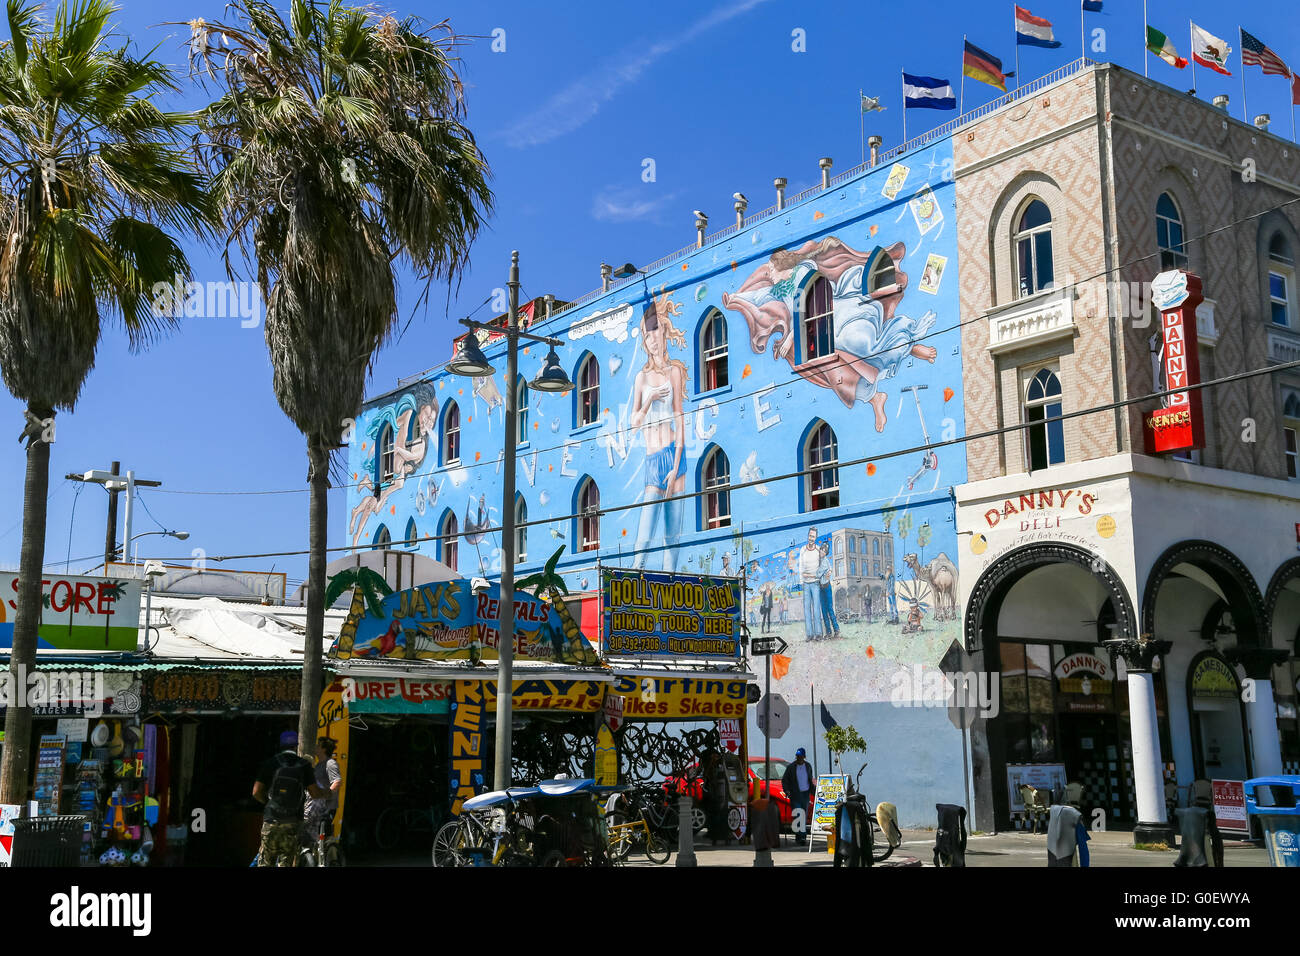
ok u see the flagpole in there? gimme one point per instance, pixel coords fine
(1083, 34)
(903, 86)
(1245, 113)
(862, 127)
(1146, 60)
(1191, 41)
(1015, 38)
(962, 107)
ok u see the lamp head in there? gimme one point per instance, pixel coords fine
(552, 377)
(470, 359)
(625, 271)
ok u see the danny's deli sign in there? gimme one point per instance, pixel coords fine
(1178, 424)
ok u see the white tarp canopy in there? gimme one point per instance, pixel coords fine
(210, 627)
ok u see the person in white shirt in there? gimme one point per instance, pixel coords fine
(810, 559)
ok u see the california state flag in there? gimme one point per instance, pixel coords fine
(1209, 50)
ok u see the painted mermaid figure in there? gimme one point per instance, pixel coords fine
(871, 341)
(657, 410)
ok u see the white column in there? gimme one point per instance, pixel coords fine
(1261, 723)
(1148, 777)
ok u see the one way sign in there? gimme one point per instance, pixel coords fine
(763, 646)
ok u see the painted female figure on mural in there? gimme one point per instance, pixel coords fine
(657, 396)
(870, 341)
(412, 440)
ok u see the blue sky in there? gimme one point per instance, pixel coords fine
(714, 92)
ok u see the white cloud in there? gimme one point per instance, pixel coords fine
(581, 100)
(628, 204)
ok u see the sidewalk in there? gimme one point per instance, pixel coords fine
(1003, 849)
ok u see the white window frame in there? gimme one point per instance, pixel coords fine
(1027, 405)
(449, 541)
(521, 531)
(806, 317)
(588, 514)
(1177, 254)
(1291, 429)
(816, 469)
(713, 352)
(717, 490)
(585, 390)
(451, 436)
(387, 454)
(521, 411)
(1031, 235)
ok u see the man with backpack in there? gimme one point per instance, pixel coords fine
(283, 784)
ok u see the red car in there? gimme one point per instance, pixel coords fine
(691, 783)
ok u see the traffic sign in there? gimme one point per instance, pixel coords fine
(763, 646)
(773, 716)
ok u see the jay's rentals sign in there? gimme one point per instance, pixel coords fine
(1178, 425)
(79, 613)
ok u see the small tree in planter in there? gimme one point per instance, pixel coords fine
(841, 740)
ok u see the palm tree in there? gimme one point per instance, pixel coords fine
(338, 152)
(94, 180)
(550, 587)
(368, 590)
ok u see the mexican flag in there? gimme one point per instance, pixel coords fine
(1160, 45)
(1209, 50)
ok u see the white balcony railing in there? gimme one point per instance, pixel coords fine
(1038, 318)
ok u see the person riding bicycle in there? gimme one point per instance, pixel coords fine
(283, 784)
(320, 812)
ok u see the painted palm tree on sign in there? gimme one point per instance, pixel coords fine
(96, 186)
(550, 587)
(339, 152)
(368, 590)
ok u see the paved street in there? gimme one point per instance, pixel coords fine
(1003, 849)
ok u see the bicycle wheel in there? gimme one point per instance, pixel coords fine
(448, 843)
(880, 848)
(620, 836)
(334, 855)
(656, 850)
(388, 828)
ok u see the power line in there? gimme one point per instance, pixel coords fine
(629, 429)
(836, 466)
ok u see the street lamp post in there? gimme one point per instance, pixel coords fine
(470, 361)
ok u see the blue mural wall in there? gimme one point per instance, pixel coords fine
(864, 591)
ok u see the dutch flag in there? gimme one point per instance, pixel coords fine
(925, 92)
(1034, 31)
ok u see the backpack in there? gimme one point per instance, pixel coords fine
(286, 795)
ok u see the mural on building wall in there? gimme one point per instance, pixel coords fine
(864, 589)
(414, 420)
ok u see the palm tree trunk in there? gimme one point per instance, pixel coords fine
(18, 719)
(318, 478)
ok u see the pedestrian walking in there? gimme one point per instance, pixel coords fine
(798, 783)
(766, 606)
(283, 784)
(320, 812)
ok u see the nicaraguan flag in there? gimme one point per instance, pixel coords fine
(927, 93)
(1092, 6)
(1034, 31)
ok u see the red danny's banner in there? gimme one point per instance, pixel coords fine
(1178, 425)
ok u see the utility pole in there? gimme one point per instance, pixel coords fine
(115, 484)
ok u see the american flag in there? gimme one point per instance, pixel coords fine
(1254, 53)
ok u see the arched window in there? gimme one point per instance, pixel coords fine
(382, 537)
(1045, 441)
(818, 319)
(713, 352)
(1169, 234)
(1281, 282)
(387, 455)
(521, 532)
(821, 456)
(448, 541)
(588, 391)
(717, 490)
(883, 274)
(1290, 430)
(521, 411)
(412, 533)
(451, 435)
(589, 517)
(1033, 248)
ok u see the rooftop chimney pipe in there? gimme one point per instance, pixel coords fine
(779, 183)
(825, 164)
(874, 142)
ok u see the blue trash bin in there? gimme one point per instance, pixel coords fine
(1274, 803)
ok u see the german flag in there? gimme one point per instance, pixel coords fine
(985, 67)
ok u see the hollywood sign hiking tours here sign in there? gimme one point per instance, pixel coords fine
(669, 616)
(1178, 425)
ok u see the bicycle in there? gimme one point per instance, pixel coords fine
(394, 822)
(882, 843)
(625, 834)
(322, 848)
(491, 837)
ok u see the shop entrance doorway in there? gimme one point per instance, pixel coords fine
(397, 789)
(1097, 756)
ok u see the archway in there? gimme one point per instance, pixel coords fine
(1036, 622)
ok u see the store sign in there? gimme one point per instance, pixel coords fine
(1084, 684)
(1213, 677)
(447, 620)
(1040, 776)
(82, 613)
(397, 695)
(1229, 804)
(1037, 510)
(613, 711)
(670, 615)
(680, 698)
(9, 812)
(468, 773)
(1178, 425)
(572, 696)
(224, 690)
(831, 790)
